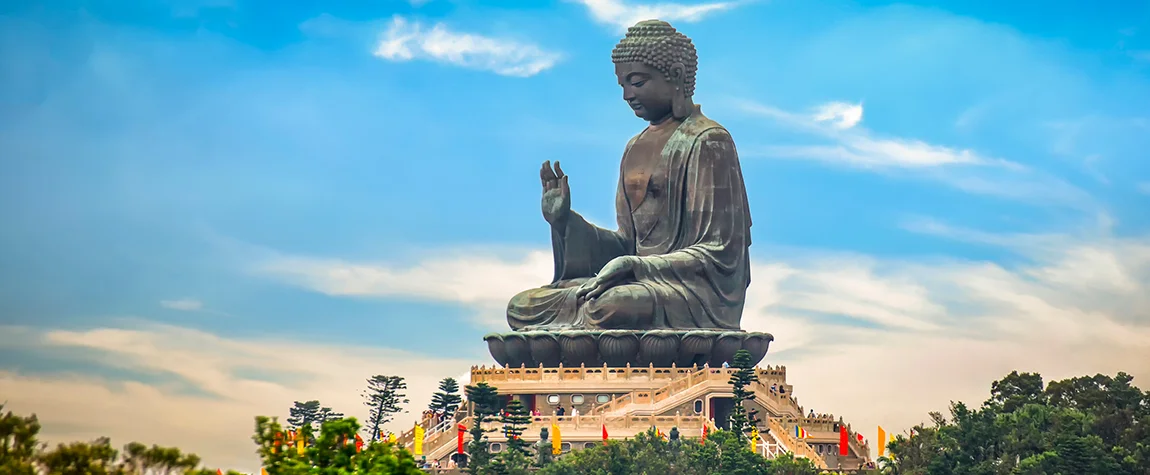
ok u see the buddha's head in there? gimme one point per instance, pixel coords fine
(656, 65)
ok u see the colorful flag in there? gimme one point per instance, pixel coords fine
(881, 437)
(800, 433)
(604, 434)
(892, 436)
(418, 449)
(754, 438)
(263, 471)
(844, 438)
(556, 440)
(860, 438)
(299, 440)
(391, 437)
(459, 438)
(358, 443)
(278, 442)
(705, 430)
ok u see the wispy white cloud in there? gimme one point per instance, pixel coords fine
(232, 381)
(406, 40)
(184, 304)
(845, 143)
(840, 115)
(622, 15)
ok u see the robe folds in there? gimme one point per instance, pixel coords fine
(690, 232)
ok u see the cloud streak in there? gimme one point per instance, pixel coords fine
(187, 305)
(845, 143)
(622, 15)
(406, 40)
(233, 380)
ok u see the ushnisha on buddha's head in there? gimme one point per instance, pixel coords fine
(656, 65)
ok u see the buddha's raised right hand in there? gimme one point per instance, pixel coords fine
(556, 194)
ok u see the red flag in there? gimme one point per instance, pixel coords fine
(705, 430)
(358, 443)
(843, 441)
(459, 439)
(278, 442)
(219, 471)
(860, 438)
(604, 434)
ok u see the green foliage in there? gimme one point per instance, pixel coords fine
(1094, 424)
(722, 453)
(383, 398)
(332, 452)
(485, 405)
(21, 453)
(447, 399)
(311, 414)
(740, 421)
(515, 420)
(18, 443)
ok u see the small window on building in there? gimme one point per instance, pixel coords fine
(566, 447)
(553, 399)
(698, 406)
(603, 398)
(496, 447)
(576, 399)
(589, 445)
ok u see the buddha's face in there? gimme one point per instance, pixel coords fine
(646, 90)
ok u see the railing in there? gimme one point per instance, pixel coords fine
(494, 375)
(797, 446)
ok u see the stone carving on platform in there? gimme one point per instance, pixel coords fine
(668, 286)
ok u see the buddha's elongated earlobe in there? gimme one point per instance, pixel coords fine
(680, 103)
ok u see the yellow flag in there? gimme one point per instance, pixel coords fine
(754, 439)
(391, 437)
(299, 438)
(892, 436)
(263, 471)
(556, 440)
(881, 444)
(418, 441)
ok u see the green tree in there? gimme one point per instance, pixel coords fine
(447, 398)
(332, 452)
(485, 405)
(311, 414)
(1092, 424)
(383, 398)
(18, 443)
(722, 453)
(741, 421)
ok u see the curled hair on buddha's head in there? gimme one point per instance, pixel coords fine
(659, 45)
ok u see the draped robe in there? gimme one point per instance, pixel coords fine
(690, 231)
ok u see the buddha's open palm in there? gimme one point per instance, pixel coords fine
(556, 194)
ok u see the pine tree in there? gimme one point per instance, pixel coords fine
(447, 399)
(311, 414)
(383, 398)
(485, 403)
(515, 420)
(741, 380)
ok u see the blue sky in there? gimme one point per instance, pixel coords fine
(356, 182)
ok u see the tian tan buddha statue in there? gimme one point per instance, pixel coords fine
(679, 258)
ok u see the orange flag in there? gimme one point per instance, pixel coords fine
(705, 430)
(604, 434)
(358, 443)
(219, 471)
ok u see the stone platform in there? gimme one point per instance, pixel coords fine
(618, 348)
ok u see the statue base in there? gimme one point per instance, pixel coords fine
(618, 348)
